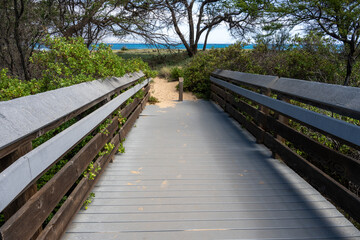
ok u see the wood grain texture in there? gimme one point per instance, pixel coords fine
(24, 223)
(74, 202)
(337, 163)
(198, 176)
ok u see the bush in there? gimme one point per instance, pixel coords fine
(175, 73)
(310, 58)
(67, 62)
(197, 72)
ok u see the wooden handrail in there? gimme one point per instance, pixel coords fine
(337, 128)
(27, 169)
(322, 166)
(26, 118)
(338, 99)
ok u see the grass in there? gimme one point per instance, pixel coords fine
(153, 100)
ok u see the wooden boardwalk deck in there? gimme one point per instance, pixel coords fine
(190, 172)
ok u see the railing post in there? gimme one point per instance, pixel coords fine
(181, 83)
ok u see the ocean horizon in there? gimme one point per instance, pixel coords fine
(119, 46)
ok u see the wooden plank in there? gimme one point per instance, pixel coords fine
(128, 109)
(221, 102)
(129, 122)
(250, 126)
(146, 99)
(45, 111)
(336, 98)
(341, 196)
(30, 191)
(247, 79)
(257, 115)
(27, 169)
(340, 99)
(219, 91)
(74, 202)
(24, 223)
(337, 128)
(199, 174)
(335, 161)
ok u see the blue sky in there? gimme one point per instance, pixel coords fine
(217, 35)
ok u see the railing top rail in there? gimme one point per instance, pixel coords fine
(254, 80)
(343, 130)
(339, 99)
(15, 178)
(28, 115)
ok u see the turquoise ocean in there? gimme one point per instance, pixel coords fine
(119, 46)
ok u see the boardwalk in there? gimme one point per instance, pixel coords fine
(190, 172)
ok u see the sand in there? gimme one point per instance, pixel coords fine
(167, 94)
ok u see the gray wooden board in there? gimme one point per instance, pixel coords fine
(189, 172)
(342, 99)
(25, 115)
(338, 128)
(29, 167)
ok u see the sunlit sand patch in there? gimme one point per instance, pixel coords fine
(167, 94)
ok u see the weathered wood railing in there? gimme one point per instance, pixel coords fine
(26, 118)
(265, 104)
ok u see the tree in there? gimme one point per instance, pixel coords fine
(22, 24)
(190, 19)
(337, 19)
(89, 19)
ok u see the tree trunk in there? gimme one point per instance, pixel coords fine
(18, 15)
(192, 50)
(349, 66)
(206, 38)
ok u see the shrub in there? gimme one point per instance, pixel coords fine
(175, 73)
(153, 100)
(197, 72)
(66, 62)
(310, 58)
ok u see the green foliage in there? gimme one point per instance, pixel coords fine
(45, 137)
(68, 61)
(103, 127)
(121, 147)
(312, 57)
(91, 171)
(338, 20)
(140, 94)
(13, 87)
(88, 201)
(153, 100)
(175, 73)
(107, 149)
(197, 72)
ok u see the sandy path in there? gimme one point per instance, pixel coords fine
(166, 93)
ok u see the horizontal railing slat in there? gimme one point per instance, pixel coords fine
(29, 115)
(335, 127)
(28, 168)
(343, 100)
